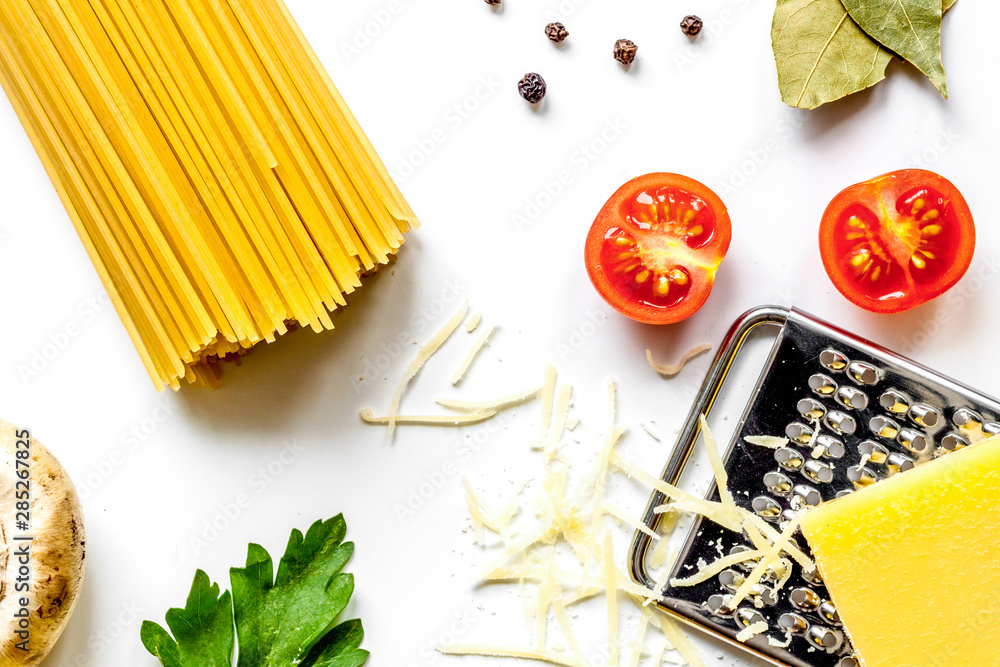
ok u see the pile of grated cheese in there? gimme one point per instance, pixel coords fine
(567, 555)
(574, 518)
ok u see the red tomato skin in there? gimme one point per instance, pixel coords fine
(891, 186)
(702, 277)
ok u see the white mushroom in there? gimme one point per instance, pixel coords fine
(40, 578)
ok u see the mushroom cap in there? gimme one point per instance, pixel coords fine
(54, 556)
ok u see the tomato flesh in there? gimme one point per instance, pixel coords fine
(624, 254)
(653, 251)
(897, 241)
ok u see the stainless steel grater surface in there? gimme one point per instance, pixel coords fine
(868, 404)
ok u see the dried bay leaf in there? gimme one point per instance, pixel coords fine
(910, 28)
(826, 30)
(821, 53)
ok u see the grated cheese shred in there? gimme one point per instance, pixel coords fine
(717, 512)
(477, 347)
(423, 356)
(539, 655)
(668, 521)
(557, 427)
(659, 585)
(751, 631)
(599, 472)
(652, 434)
(611, 589)
(769, 441)
(498, 404)
(483, 515)
(621, 515)
(539, 573)
(548, 393)
(709, 571)
(671, 370)
(428, 420)
(544, 596)
(567, 629)
(781, 644)
(715, 458)
(679, 639)
(786, 566)
(513, 506)
(639, 643)
(479, 536)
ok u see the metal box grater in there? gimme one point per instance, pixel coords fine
(869, 404)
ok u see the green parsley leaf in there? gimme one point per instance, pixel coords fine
(287, 620)
(279, 623)
(340, 647)
(203, 629)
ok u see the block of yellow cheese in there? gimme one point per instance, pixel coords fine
(913, 563)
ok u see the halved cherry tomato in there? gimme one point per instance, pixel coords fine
(653, 250)
(897, 241)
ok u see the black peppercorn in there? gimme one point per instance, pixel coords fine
(625, 50)
(557, 32)
(691, 25)
(493, 2)
(532, 88)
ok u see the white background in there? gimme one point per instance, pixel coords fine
(435, 87)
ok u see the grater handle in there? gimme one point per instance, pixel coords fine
(731, 345)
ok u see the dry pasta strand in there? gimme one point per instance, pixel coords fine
(220, 184)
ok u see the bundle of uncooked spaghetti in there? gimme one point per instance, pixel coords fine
(220, 184)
